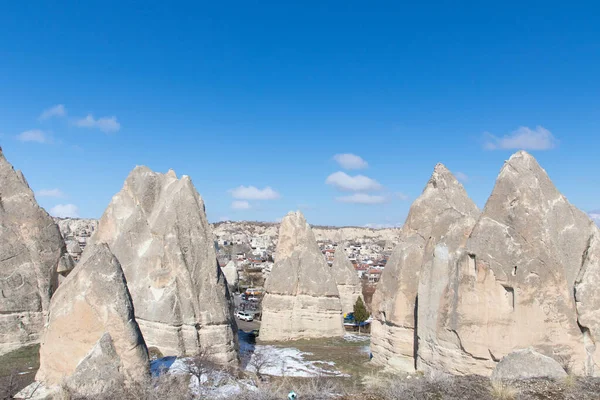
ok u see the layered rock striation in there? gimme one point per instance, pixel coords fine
(156, 226)
(301, 299)
(32, 255)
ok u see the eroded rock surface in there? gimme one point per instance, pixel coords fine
(442, 216)
(231, 274)
(346, 279)
(527, 277)
(32, 255)
(156, 226)
(302, 299)
(92, 342)
(527, 364)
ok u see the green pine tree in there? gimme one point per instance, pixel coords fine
(360, 312)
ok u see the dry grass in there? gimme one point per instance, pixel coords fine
(503, 390)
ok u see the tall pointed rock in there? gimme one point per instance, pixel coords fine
(156, 226)
(32, 254)
(301, 299)
(527, 277)
(443, 214)
(346, 279)
(92, 343)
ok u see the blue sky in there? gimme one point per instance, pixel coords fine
(254, 100)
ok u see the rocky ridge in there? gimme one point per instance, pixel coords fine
(32, 257)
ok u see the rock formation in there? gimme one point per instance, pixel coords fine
(443, 215)
(527, 277)
(92, 342)
(527, 364)
(32, 254)
(346, 279)
(156, 226)
(231, 274)
(301, 299)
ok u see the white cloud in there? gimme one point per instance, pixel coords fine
(65, 211)
(240, 205)
(595, 215)
(362, 198)
(523, 138)
(34, 135)
(223, 219)
(50, 193)
(350, 161)
(58, 110)
(462, 177)
(358, 183)
(402, 196)
(253, 193)
(105, 124)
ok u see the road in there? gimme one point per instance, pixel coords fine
(247, 326)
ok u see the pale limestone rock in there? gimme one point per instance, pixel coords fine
(529, 258)
(156, 226)
(301, 299)
(32, 254)
(231, 274)
(346, 279)
(442, 215)
(527, 364)
(92, 342)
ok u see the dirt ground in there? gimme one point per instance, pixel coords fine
(18, 369)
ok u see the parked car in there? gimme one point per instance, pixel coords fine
(244, 316)
(253, 298)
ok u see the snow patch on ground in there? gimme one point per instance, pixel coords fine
(287, 361)
(352, 337)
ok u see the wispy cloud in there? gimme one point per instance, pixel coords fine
(523, 138)
(358, 183)
(65, 211)
(362, 198)
(57, 193)
(253, 193)
(34, 135)
(58, 110)
(240, 205)
(105, 124)
(350, 161)
(462, 177)
(595, 215)
(402, 196)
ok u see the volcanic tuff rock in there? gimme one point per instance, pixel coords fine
(346, 279)
(32, 254)
(301, 300)
(527, 277)
(527, 364)
(92, 341)
(231, 273)
(156, 227)
(443, 215)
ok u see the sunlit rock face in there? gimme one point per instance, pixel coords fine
(32, 255)
(526, 278)
(301, 299)
(443, 215)
(92, 343)
(156, 227)
(346, 279)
